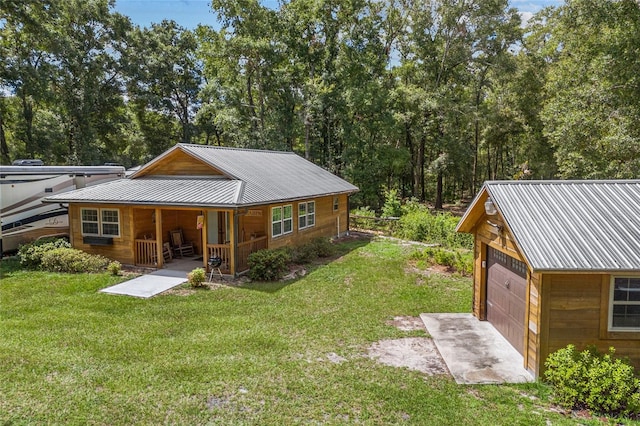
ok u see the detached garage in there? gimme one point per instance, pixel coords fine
(558, 262)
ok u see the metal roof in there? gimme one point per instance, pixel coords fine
(573, 225)
(270, 175)
(164, 190)
(252, 177)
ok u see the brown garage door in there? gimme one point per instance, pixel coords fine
(506, 296)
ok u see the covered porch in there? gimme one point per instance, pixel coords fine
(231, 235)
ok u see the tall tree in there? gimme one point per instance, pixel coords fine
(593, 88)
(87, 44)
(25, 64)
(165, 74)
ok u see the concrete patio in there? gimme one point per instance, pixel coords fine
(474, 351)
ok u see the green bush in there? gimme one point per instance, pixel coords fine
(303, 254)
(114, 268)
(594, 381)
(197, 277)
(419, 224)
(71, 260)
(306, 253)
(268, 265)
(460, 260)
(31, 254)
(392, 205)
(323, 247)
(359, 222)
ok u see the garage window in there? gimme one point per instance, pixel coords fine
(624, 304)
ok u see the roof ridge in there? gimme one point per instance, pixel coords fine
(560, 182)
(230, 148)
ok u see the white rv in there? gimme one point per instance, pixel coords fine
(23, 215)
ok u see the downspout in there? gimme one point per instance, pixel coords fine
(348, 217)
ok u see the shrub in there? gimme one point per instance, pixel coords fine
(72, 260)
(31, 254)
(595, 381)
(268, 265)
(323, 247)
(419, 224)
(364, 223)
(197, 277)
(303, 254)
(392, 205)
(458, 260)
(114, 267)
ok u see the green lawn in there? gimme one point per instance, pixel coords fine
(256, 354)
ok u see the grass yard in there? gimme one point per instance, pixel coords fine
(258, 354)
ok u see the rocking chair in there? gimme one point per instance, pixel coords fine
(181, 247)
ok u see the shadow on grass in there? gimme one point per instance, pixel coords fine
(343, 246)
(9, 265)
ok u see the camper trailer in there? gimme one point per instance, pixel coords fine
(23, 215)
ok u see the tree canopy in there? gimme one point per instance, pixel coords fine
(426, 98)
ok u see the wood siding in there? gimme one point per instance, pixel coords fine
(178, 163)
(577, 309)
(326, 222)
(533, 324)
(123, 247)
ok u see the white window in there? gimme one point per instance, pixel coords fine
(336, 203)
(281, 220)
(100, 222)
(306, 214)
(624, 304)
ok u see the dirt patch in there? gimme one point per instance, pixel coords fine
(407, 323)
(415, 353)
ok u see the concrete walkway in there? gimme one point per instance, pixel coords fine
(149, 285)
(474, 351)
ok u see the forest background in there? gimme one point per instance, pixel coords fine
(427, 98)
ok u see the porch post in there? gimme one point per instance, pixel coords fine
(159, 256)
(232, 242)
(205, 251)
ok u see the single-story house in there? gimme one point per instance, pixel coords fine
(558, 262)
(223, 202)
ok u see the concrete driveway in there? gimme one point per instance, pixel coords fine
(474, 351)
(149, 285)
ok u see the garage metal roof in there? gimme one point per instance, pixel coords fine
(250, 177)
(573, 225)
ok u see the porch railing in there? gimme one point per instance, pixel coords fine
(223, 251)
(248, 247)
(146, 253)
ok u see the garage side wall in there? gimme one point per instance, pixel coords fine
(577, 309)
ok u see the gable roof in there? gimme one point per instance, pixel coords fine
(568, 225)
(253, 177)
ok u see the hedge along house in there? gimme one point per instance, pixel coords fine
(227, 203)
(558, 262)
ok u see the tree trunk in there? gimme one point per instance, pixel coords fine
(27, 114)
(4, 148)
(421, 151)
(438, 203)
